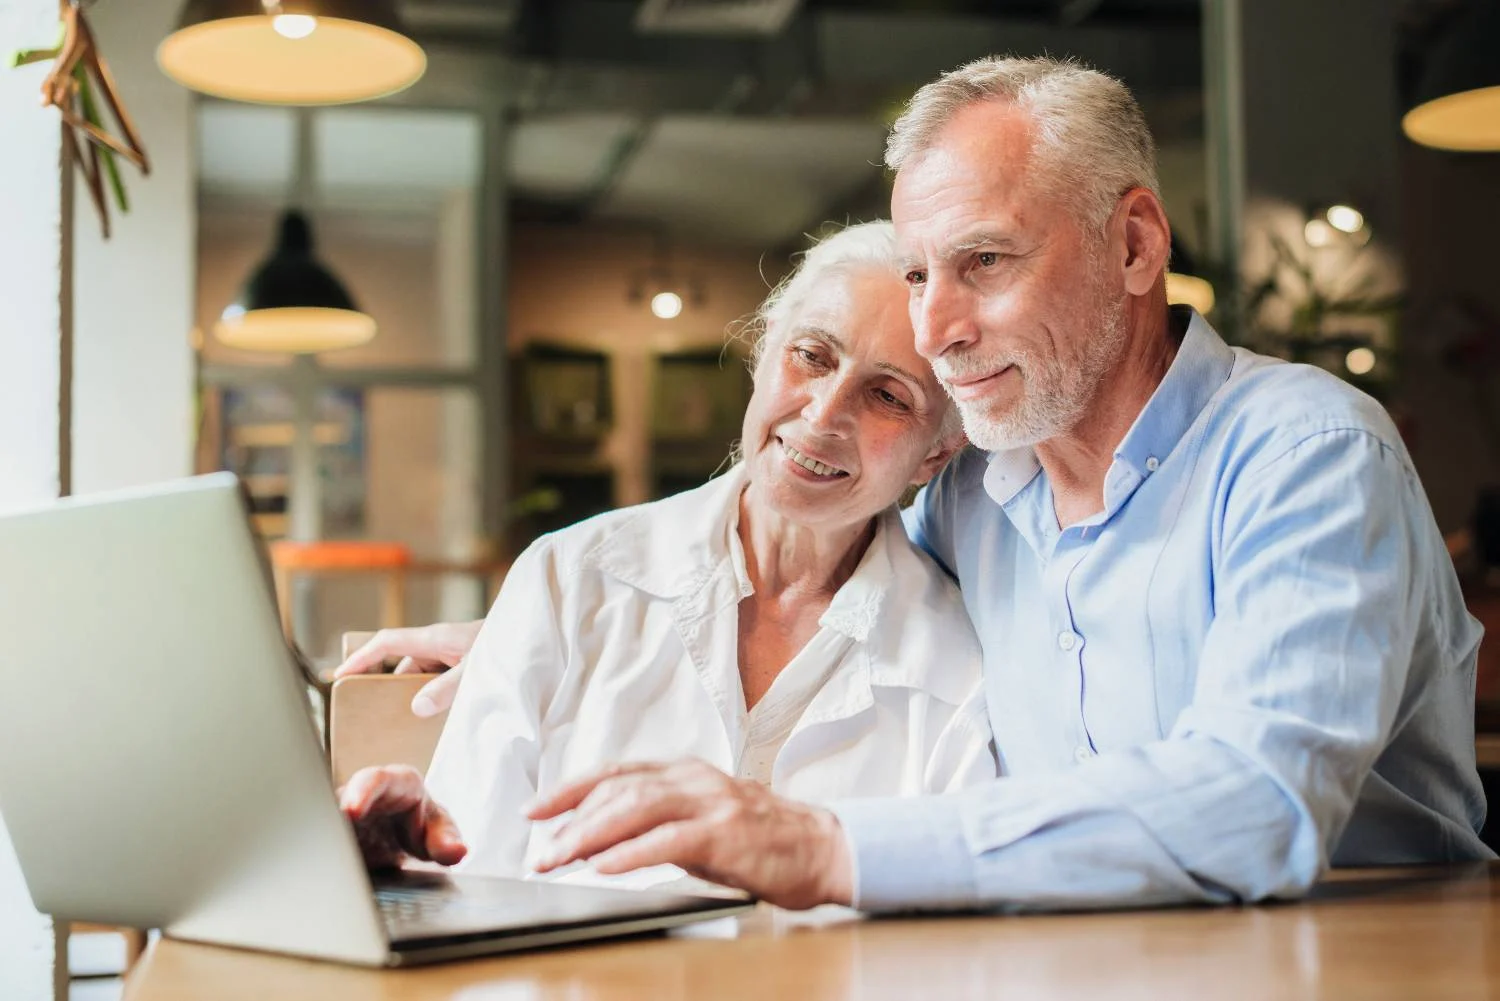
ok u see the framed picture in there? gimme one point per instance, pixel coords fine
(564, 391)
(700, 395)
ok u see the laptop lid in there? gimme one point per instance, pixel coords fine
(138, 624)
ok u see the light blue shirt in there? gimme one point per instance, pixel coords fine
(1254, 662)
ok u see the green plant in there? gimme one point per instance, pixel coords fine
(1317, 311)
(80, 88)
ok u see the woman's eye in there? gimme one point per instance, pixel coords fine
(807, 356)
(988, 259)
(890, 398)
(916, 278)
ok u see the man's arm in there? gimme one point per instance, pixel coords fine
(1317, 596)
(1301, 675)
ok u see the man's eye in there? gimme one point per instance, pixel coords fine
(807, 356)
(988, 259)
(916, 278)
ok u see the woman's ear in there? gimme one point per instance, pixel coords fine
(946, 447)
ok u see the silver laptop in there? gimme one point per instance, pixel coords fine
(160, 768)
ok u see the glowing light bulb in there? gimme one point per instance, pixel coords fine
(1317, 233)
(1360, 361)
(1345, 218)
(1190, 290)
(294, 25)
(666, 305)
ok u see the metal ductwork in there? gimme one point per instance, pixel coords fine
(714, 17)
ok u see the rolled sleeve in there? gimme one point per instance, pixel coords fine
(908, 853)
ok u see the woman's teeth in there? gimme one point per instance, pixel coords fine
(812, 465)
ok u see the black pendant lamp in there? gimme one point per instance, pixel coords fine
(302, 52)
(1458, 98)
(293, 303)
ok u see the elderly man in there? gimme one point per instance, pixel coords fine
(1224, 646)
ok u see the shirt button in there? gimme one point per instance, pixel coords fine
(1066, 640)
(1082, 753)
(1151, 463)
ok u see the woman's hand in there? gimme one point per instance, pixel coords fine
(735, 832)
(394, 819)
(423, 650)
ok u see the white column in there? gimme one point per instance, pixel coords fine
(492, 267)
(457, 321)
(34, 256)
(133, 407)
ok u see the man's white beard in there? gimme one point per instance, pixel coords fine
(1054, 396)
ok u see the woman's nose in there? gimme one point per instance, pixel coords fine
(830, 408)
(943, 317)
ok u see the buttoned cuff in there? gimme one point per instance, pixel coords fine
(907, 854)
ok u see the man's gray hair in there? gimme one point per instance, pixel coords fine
(861, 245)
(1092, 141)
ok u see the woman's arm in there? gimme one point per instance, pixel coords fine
(485, 765)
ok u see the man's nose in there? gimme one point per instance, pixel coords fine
(943, 317)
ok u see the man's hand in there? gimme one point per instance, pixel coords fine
(423, 650)
(394, 818)
(729, 831)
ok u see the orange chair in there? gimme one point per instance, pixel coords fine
(391, 560)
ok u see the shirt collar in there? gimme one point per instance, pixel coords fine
(1202, 365)
(896, 605)
(673, 547)
(855, 607)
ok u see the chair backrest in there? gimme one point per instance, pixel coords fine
(371, 723)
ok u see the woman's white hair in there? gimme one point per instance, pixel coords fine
(1091, 139)
(861, 245)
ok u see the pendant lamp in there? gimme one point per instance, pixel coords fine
(1458, 98)
(293, 303)
(302, 52)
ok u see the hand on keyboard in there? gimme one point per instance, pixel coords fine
(394, 819)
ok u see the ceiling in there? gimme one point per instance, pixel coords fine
(673, 113)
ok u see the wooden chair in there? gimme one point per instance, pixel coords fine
(371, 722)
(390, 561)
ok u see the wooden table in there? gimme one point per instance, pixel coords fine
(1398, 934)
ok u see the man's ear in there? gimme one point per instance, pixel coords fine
(1147, 238)
(945, 449)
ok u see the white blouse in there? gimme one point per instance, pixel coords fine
(616, 639)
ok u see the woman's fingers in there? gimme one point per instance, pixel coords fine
(444, 844)
(567, 796)
(382, 789)
(437, 695)
(616, 811)
(422, 648)
(682, 843)
(394, 817)
(370, 658)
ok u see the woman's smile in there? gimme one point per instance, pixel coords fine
(807, 467)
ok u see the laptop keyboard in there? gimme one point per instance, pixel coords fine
(408, 912)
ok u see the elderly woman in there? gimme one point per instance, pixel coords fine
(776, 622)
